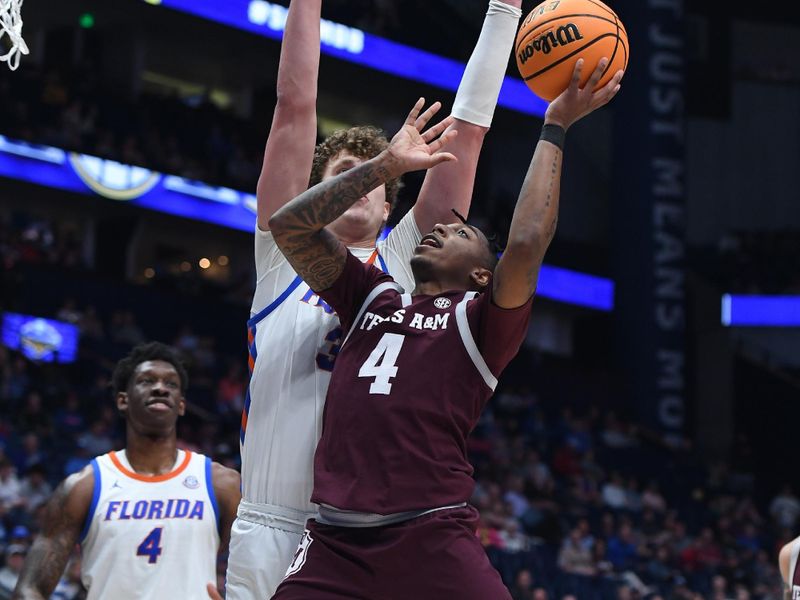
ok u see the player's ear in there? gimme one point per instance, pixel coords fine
(480, 277)
(122, 402)
(387, 210)
(181, 406)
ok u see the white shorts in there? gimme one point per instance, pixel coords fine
(264, 539)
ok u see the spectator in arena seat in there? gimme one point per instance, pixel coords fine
(622, 548)
(540, 593)
(90, 324)
(574, 557)
(29, 453)
(515, 495)
(15, 557)
(70, 419)
(633, 499)
(79, 458)
(10, 486)
(719, 588)
(614, 493)
(615, 434)
(231, 390)
(785, 508)
(69, 311)
(35, 489)
(32, 416)
(513, 539)
(97, 440)
(125, 329)
(652, 498)
(523, 586)
(17, 380)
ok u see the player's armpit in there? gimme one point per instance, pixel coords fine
(64, 517)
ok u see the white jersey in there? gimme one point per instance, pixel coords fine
(293, 340)
(150, 537)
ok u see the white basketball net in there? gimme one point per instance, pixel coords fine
(11, 23)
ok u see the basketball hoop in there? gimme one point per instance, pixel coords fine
(11, 23)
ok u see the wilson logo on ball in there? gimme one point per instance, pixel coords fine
(561, 36)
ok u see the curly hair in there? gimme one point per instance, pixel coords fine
(363, 142)
(142, 353)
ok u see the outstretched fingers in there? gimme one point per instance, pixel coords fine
(423, 119)
(412, 116)
(437, 130)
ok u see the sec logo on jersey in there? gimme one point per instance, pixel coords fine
(191, 482)
(442, 303)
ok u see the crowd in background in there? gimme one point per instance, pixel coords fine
(76, 111)
(576, 500)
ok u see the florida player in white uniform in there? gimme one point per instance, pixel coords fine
(150, 518)
(293, 336)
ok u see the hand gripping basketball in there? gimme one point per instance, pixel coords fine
(576, 102)
(411, 149)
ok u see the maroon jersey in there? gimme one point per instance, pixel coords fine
(410, 382)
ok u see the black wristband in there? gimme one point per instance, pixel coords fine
(554, 134)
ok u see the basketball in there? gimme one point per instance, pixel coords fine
(557, 33)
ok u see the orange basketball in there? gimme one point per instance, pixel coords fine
(559, 32)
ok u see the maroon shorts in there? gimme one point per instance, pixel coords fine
(434, 557)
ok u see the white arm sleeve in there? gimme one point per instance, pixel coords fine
(398, 248)
(479, 90)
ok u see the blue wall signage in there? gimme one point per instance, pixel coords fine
(353, 45)
(90, 175)
(760, 311)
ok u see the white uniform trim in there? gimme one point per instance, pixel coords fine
(277, 517)
(376, 291)
(469, 341)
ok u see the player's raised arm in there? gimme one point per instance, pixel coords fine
(293, 136)
(536, 214)
(450, 185)
(64, 517)
(298, 228)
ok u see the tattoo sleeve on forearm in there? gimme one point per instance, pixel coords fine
(317, 255)
(50, 552)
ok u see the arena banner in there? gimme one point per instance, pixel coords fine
(760, 311)
(84, 174)
(353, 45)
(649, 216)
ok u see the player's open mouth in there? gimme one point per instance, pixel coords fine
(431, 240)
(158, 404)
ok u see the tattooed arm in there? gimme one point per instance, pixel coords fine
(64, 517)
(298, 228)
(536, 214)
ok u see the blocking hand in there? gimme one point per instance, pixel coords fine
(411, 149)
